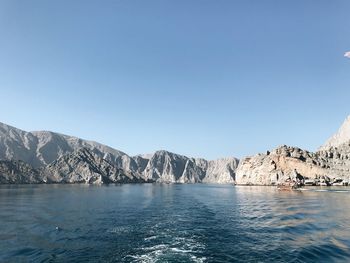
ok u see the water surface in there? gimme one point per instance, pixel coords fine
(173, 223)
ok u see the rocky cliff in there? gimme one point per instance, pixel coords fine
(342, 136)
(165, 166)
(84, 166)
(47, 157)
(56, 158)
(221, 171)
(276, 166)
(331, 161)
(18, 172)
(40, 148)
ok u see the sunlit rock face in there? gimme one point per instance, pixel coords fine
(57, 158)
(165, 167)
(47, 157)
(41, 148)
(168, 167)
(278, 165)
(84, 166)
(221, 171)
(341, 137)
(332, 160)
(337, 160)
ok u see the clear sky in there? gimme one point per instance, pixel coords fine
(201, 78)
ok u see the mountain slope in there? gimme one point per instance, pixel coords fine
(84, 166)
(165, 166)
(40, 148)
(278, 165)
(18, 172)
(340, 137)
(332, 160)
(58, 158)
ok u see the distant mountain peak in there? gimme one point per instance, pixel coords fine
(39, 148)
(340, 137)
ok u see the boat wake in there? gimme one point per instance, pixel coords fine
(167, 246)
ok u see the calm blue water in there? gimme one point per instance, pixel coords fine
(173, 223)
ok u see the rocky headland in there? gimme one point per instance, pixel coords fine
(330, 162)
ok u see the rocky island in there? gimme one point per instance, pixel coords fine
(48, 157)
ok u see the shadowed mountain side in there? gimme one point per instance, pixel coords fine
(19, 172)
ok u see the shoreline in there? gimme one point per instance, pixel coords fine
(161, 183)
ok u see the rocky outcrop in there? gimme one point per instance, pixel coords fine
(280, 164)
(276, 166)
(332, 160)
(337, 160)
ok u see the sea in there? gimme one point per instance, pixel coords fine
(173, 223)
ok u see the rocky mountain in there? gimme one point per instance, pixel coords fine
(47, 157)
(84, 166)
(168, 167)
(342, 136)
(331, 161)
(221, 171)
(40, 148)
(58, 158)
(279, 164)
(18, 172)
(165, 166)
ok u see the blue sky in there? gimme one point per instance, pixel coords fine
(200, 78)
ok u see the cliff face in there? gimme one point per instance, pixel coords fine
(164, 166)
(84, 166)
(277, 166)
(331, 161)
(342, 136)
(55, 158)
(43, 147)
(221, 171)
(337, 160)
(46, 157)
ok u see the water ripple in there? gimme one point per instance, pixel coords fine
(173, 223)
